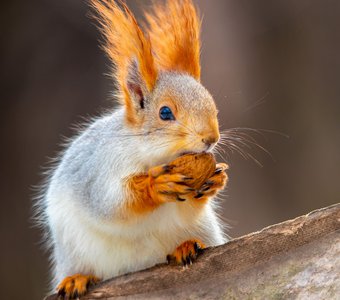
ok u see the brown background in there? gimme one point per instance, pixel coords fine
(269, 64)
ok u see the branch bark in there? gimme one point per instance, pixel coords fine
(297, 259)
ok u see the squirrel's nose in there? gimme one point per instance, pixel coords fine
(211, 139)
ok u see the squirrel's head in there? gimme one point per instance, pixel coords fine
(180, 115)
(158, 76)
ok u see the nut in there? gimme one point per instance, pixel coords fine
(197, 166)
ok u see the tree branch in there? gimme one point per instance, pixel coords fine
(299, 258)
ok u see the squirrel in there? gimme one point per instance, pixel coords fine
(110, 205)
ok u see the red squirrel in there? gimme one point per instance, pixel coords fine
(111, 204)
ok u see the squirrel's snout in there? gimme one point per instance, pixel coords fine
(209, 132)
(210, 139)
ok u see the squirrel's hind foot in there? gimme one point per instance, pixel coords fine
(186, 252)
(76, 285)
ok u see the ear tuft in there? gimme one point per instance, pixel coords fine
(175, 36)
(124, 43)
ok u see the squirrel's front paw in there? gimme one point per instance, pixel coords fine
(214, 184)
(166, 187)
(76, 285)
(186, 252)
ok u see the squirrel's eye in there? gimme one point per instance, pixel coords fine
(166, 114)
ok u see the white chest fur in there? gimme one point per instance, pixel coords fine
(84, 244)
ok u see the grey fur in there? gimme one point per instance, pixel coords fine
(91, 174)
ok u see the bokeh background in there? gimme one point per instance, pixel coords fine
(270, 65)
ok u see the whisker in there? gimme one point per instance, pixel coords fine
(257, 103)
(252, 142)
(239, 139)
(260, 131)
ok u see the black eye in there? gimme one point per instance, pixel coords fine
(166, 114)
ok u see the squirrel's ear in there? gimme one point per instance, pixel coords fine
(174, 31)
(130, 51)
(136, 87)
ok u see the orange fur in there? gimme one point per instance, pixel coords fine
(175, 36)
(147, 191)
(124, 41)
(187, 251)
(172, 183)
(140, 198)
(144, 197)
(76, 285)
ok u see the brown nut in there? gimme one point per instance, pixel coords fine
(197, 166)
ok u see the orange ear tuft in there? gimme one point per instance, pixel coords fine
(125, 41)
(175, 36)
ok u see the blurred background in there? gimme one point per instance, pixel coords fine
(271, 65)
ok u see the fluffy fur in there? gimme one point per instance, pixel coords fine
(85, 193)
(125, 41)
(174, 31)
(91, 228)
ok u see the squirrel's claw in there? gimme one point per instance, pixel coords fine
(76, 285)
(214, 184)
(168, 187)
(158, 170)
(180, 199)
(187, 252)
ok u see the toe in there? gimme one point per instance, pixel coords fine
(178, 178)
(172, 187)
(76, 285)
(187, 252)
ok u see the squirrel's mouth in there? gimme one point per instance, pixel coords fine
(186, 152)
(190, 152)
(208, 149)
